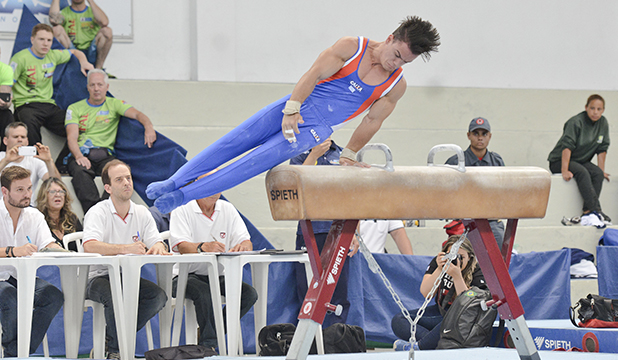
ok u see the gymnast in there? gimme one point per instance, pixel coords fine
(354, 75)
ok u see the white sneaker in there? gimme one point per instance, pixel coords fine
(592, 219)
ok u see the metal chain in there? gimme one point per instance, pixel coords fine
(375, 268)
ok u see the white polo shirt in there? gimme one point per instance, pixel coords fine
(31, 223)
(37, 168)
(103, 223)
(374, 233)
(188, 223)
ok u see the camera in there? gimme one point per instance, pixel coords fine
(27, 150)
(457, 260)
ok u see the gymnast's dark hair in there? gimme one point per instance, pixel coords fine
(422, 38)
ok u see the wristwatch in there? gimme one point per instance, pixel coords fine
(199, 248)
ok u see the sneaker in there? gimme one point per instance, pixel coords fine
(113, 355)
(572, 221)
(593, 219)
(110, 76)
(605, 218)
(401, 345)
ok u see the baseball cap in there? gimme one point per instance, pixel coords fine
(479, 123)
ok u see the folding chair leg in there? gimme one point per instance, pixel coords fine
(149, 336)
(98, 331)
(45, 346)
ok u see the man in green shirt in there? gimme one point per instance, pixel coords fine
(6, 84)
(91, 126)
(33, 88)
(84, 28)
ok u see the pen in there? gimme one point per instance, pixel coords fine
(138, 237)
(28, 237)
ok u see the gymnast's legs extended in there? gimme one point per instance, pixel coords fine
(261, 132)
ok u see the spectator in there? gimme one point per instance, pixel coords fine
(33, 70)
(209, 225)
(41, 166)
(326, 153)
(6, 85)
(119, 226)
(23, 232)
(91, 126)
(82, 27)
(54, 201)
(479, 134)
(463, 273)
(374, 232)
(584, 135)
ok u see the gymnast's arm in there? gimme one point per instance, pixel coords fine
(328, 63)
(372, 122)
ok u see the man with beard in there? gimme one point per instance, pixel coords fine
(23, 231)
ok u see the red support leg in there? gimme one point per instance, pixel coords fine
(312, 248)
(322, 286)
(494, 264)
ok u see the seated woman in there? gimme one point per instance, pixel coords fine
(54, 202)
(585, 135)
(463, 273)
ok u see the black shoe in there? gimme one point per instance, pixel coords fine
(605, 217)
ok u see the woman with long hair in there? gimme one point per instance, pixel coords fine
(463, 273)
(54, 201)
(584, 136)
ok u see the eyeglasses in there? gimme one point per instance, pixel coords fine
(59, 192)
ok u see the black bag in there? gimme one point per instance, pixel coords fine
(466, 324)
(595, 311)
(342, 338)
(180, 352)
(275, 340)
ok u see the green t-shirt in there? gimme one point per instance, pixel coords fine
(6, 75)
(33, 76)
(97, 123)
(80, 26)
(584, 137)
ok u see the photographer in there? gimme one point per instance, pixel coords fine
(463, 273)
(18, 153)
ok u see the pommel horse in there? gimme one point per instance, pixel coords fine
(347, 194)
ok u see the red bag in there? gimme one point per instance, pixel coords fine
(455, 227)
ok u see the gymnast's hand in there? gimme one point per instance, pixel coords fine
(289, 126)
(349, 162)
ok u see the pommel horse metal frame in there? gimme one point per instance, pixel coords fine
(305, 192)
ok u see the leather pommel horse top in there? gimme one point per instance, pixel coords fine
(408, 192)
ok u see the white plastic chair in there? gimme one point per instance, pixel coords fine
(98, 311)
(191, 325)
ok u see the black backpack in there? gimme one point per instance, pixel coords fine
(343, 338)
(275, 340)
(466, 324)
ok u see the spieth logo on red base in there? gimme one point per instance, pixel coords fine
(338, 261)
(307, 308)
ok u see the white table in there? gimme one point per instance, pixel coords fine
(73, 277)
(233, 282)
